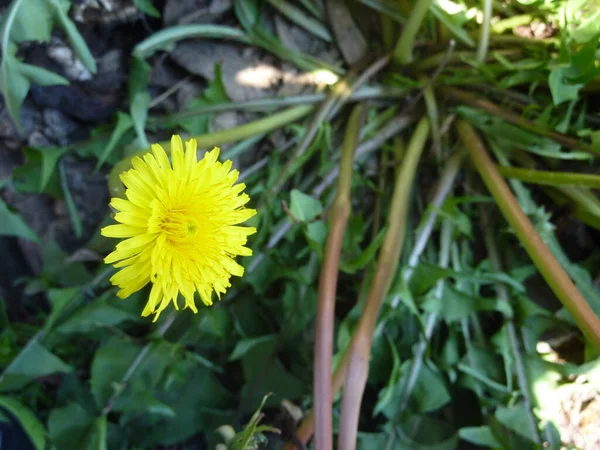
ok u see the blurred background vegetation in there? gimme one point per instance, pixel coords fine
(477, 341)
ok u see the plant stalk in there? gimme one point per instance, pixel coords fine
(484, 36)
(339, 215)
(550, 178)
(360, 350)
(403, 54)
(542, 257)
(423, 233)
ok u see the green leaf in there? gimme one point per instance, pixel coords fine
(513, 418)
(419, 432)
(124, 124)
(214, 94)
(483, 366)
(452, 23)
(248, 14)
(589, 29)
(386, 394)
(199, 400)
(264, 373)
(369, 441)
(366, 256)
(168, 37)
(243, 346)
(59, 299)
(303, 207)
(73, 428)
(115, 358)
(140, 399)
(482, 436)
(251, 432)
(33, 362)
(75, 39)
(139, 98)
(39, 75)
(429, 393)
(26, 418)
(105, 311)
(39, 173)
(33, 20)
(457, 305)
(503, 135)
(316, 235)
(50, 157)
(147, 7)
(560, 87)
(110, 364)
(71, 206)
(12, 225)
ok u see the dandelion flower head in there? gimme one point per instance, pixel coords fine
(180, 225)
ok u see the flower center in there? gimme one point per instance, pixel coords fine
(180, 226)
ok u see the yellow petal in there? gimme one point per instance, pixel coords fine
(121, 231)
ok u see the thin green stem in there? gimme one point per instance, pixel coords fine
(339, 215)
(268, 104)
(583, 197)
(459, 57)
(216, 138)
(550, 178)
(403, 54)
(542, 257)
(360, 350)
(484, 36)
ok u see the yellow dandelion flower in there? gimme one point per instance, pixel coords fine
(180, 225)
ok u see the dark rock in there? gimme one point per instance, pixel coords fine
(195, 11)
(58, 127)
(76, 102)
(30, 120)
(63, 55)
(38, 139)
(112, 74)
(9, 160)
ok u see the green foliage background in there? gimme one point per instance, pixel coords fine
(88, 373)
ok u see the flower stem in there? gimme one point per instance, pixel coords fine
(360, 350)
(403, 54)
(216, 138)
(542, 257)
(423, 233)
(340, 212)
